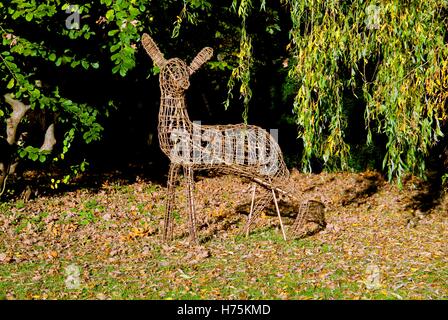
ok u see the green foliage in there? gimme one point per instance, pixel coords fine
(123, 19)
(32, 153)
(22, 55)
(386, 60)
(87, 215)
(395, 53)
(74, 171)
(189, 13)
(242, 73)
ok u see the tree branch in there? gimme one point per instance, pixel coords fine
(49, 140)
(19, 110)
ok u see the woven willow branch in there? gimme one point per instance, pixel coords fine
(243, 150)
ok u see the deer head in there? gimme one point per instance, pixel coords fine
(174, 73)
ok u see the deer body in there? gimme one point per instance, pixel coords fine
(243, 150)
(173, 117)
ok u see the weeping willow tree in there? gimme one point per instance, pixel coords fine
(386, 61)
(390, 56)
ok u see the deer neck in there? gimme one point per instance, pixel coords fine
(173, 111)
(173, 117)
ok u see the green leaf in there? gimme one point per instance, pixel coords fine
(112, 32)
(115, 47)
(29, 16)
(123, 72)
(110, 14)
(35, 93)
(16, 14)
(116, 69)
(10, 84)
(52, 57)
(74, 63)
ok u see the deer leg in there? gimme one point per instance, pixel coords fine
(278, 214)
(173, 176)
(190, 198)
(254, 188)
(258, 206)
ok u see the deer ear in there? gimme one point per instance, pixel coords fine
(200, 59)
(153, 50)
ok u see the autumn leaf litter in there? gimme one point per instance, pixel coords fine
(376, 243)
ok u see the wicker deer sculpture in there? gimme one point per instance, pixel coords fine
(242, 150)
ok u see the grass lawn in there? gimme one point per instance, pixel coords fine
(105, 243)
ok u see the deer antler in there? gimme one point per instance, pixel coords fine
(153, 50)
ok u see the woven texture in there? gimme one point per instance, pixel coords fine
(310, 219)
(242, 150)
